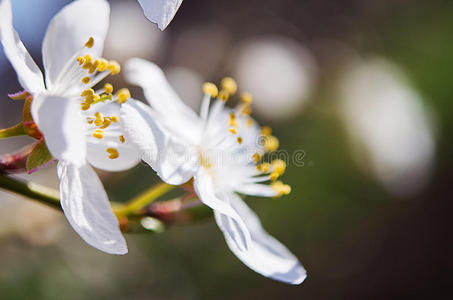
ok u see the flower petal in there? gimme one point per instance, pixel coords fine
(265, 254)
(28, 73)
(98, 157)
(97, 154)
(174, 161)
(61, 122)
(160, 95)
(68, 32)
(160, 11)
(228, 220)
(87, 208)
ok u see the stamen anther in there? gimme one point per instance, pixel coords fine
(113, 153)
(271, 143)
(247, 98)
(108, 88)
(103, 64)
(114, 67)
(123, 95)
(281, 188)
(99, 119)
(90, 42)
(210, 89)
(86, 80)
(229, 85)
(98, 133)
(266, 130)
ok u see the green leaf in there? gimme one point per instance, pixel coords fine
(15, 130)
(39, 157)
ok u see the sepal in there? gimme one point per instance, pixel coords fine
(12, 131)
(39, 157)
(15, 162)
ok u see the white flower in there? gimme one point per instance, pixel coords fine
(160, 11)
(219, 149)
(391, 129)
(78, 124)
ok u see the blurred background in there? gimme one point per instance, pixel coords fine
(359, 93)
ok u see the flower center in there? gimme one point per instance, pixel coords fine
(240, 126)
(90, 72)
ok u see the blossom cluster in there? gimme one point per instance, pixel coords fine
(82, 125)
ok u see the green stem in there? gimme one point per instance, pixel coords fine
(50, 197)
(15, 130)
(144, 199)
(40, 193)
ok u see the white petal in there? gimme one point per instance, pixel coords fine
(61, 122)
(160, 11)
(98, 157)
(174, 161)
(265, 254)
(87, 208)
(28, 73)
(229, 221)
(160, 95)
(68, 32)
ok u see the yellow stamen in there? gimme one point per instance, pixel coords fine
(281, 188)
(88, 58)
(85, 106)
(224, 96)
(99, 119)
(123, 95)
(103, 64)
(108, 88)
(90, 43)
(93, 66)
(113, 153)
(114, 67)
(89, 99)
(233, 120)
(279, 166)
(233, 130)
(246, 110)
(86, 80)
(106, 123)
(274, 176)
(115, 119)
(122, 139)
(247, 98)
(87, 92)
(256, 157)
(271, 143)
(98, 133)
(264, 167)
(266, 130)
(239, 140)
(87, 65)
(229, 85)
(80, 60)
(210, 89)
